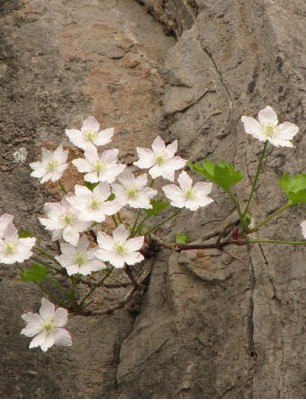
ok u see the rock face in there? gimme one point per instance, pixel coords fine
(210, 325)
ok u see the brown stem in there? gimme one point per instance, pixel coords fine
(117, 306)
(193, 246)
(128, 271)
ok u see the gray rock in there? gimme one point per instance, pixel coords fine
(210, 325)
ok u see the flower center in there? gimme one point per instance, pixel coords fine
(120, 248)
(94, 203)
(90, 135)
(270, 130)
(99, 166)
(160, 159)
(189, 194)
(48, 326)
(80, 259)
(68, 218)
(10, 247)
(132, 193)
(52, 165)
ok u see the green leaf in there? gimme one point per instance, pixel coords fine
(222, 174)
(90, 185)
(158, 205)
(182, 238)
(24, 233)
(111, 197)
(294, 188)
(34, 273)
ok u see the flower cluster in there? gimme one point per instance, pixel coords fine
(108, 187)
(78, 220)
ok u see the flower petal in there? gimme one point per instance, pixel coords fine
(303, 226)
(47, 310)
(38, 340)
(105, 241)
(158, 145)
(267, 116)
(120, 234)
(90, 124)
(184, 180)
(61, 317)
(146, 158)
(171, 149)
(135, 244)
(104, 137)
(62, 337)
(81, 165)
(286, 131)
(253, 127)
(75, 137)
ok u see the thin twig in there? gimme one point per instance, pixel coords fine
(128, 271)
(117, 306)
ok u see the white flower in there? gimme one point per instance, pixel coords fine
(79, 260)
(191, 197)
(93, 205)
(5, 219)
(52, 165)
(303, 226)
(160, 159)
(12, 248)
(118, 250)
(100, 167)
(63, 221)
(133, 191)
(90, 134)
(267, 128)
(47, 326)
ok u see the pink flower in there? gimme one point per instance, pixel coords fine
(14, 249)
(133, 191)
(160, 160)
(118, 249)
(90, 134)
(79, 259)
(188, 195)
(267, 128)
(63, 221)
(94, 205)
(99, 167)
(47, 326)
(52, 165)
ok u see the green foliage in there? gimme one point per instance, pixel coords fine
(90, 185)
(158, 205)
(34, 273)
(222, 174)
(294, 188)
(111, 197)
(24, 233)
(182, 238)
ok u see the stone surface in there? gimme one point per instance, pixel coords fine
(61, 61)
(210, 325)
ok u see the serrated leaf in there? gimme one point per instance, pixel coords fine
(294, 188)
(222, 174)
(182, 238)
(158, 205)
(90, 185)
(34, 273)
(24, 233)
